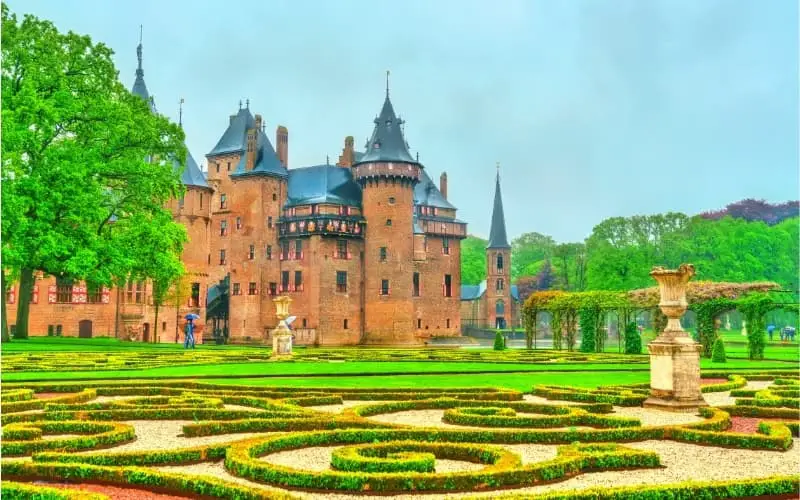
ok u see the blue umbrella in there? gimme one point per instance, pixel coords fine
(192, 316)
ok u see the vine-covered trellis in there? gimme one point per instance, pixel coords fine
(707, 299)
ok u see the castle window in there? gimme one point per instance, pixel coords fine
(274, 197)
(194, 300)
(284, 281)
(500, 284)
(237, 289)
(341, 281)
(180, 202)
(447, 287)
(341, 249)
(223, 227)
(448, 323)
(391, 200)
(383, 254)
(269, 222)
(445, 246)
(500, 262)
(314, 209)
(94, 294)
(298, 249)
(415, 289)
(344, 210)
(252, 253)
(251, 288)
(269, 252)
(499, 308)
(284, 250)
(419, 323)
(222, 257)
(229, 166)
(238, 222)
(345, 324)
(223, 201)
(217, 167)
(304, 323)
(201, 200)
(298, 280)
(388, 222)
(273, 288)
(384, 287)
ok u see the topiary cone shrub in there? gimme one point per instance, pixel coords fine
(718, 351)
(633, 342)
(499, 341)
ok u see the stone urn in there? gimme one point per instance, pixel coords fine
(674, 355)
(281, 335)
(131, 327)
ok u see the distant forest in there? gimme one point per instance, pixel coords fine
(750, 240)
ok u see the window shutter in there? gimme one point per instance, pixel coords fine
(51, 294)
(35, 298)
(78, 294)
(106, 296)
(12, 295)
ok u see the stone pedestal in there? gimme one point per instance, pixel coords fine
(674, 356)
(282, 336)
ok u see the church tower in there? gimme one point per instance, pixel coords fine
(498, 264)
(387, 174)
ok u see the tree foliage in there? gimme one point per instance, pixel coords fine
(633, 341)
(473, 260)
(718, 351)
(756, 210)
(76, 180)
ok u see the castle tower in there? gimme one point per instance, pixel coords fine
(139, 87)
(498, 264)
(387, 174)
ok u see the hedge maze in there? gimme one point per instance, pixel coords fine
(235, 441)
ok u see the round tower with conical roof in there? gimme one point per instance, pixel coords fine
(387, 174)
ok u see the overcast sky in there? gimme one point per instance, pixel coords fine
(593, 108)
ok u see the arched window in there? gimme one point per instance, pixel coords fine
(499, 262)
(499, 308)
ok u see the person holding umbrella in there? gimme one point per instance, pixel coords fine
(189, 330)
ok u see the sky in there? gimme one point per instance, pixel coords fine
(593, 108)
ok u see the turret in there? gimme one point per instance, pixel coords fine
(387, 174)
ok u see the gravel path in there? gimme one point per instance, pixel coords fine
(433, 418)
(651, 418)
(168, 434)
(337, 408)
(115, 493)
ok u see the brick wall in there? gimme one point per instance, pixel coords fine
(432, 309)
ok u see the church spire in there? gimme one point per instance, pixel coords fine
(139, 87)
(497, 232)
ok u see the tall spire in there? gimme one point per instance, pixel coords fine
(497, 232)
(387, 83)
(387, 143)
(180, 113)
(139, 87)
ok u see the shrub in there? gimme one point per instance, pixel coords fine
(499, 341)
(718, 351)
(633, 342)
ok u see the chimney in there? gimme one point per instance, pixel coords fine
(258, 123)
(347, 156)
(282, 145)
(250, 160)
(443, 184)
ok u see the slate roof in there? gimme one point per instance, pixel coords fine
(497, 232)
(322, 184)
(473, 292)
(191, 175)
(266, 161)
(387, 142)
(235, 137)
(426, 193)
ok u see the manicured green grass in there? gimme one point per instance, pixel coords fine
(518, 381)
(67, 344)
(255, 369)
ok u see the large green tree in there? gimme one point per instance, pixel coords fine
(529, 252)
(81, 161)
(473, 260)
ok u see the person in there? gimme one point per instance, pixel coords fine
(188, 334)
(790, 332)
(770, 331)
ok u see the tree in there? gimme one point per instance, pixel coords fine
(473, 260)
(78, 167)
(570, 263)
(178, 295)
(528, 253)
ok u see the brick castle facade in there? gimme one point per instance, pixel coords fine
(368, 249)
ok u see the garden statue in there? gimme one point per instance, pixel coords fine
(131, 327)
(744, 328)
(281, 335)
(727, 322)
(674, 356)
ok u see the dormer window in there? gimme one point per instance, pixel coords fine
(376, 145)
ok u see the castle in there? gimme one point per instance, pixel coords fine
(368, 249)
